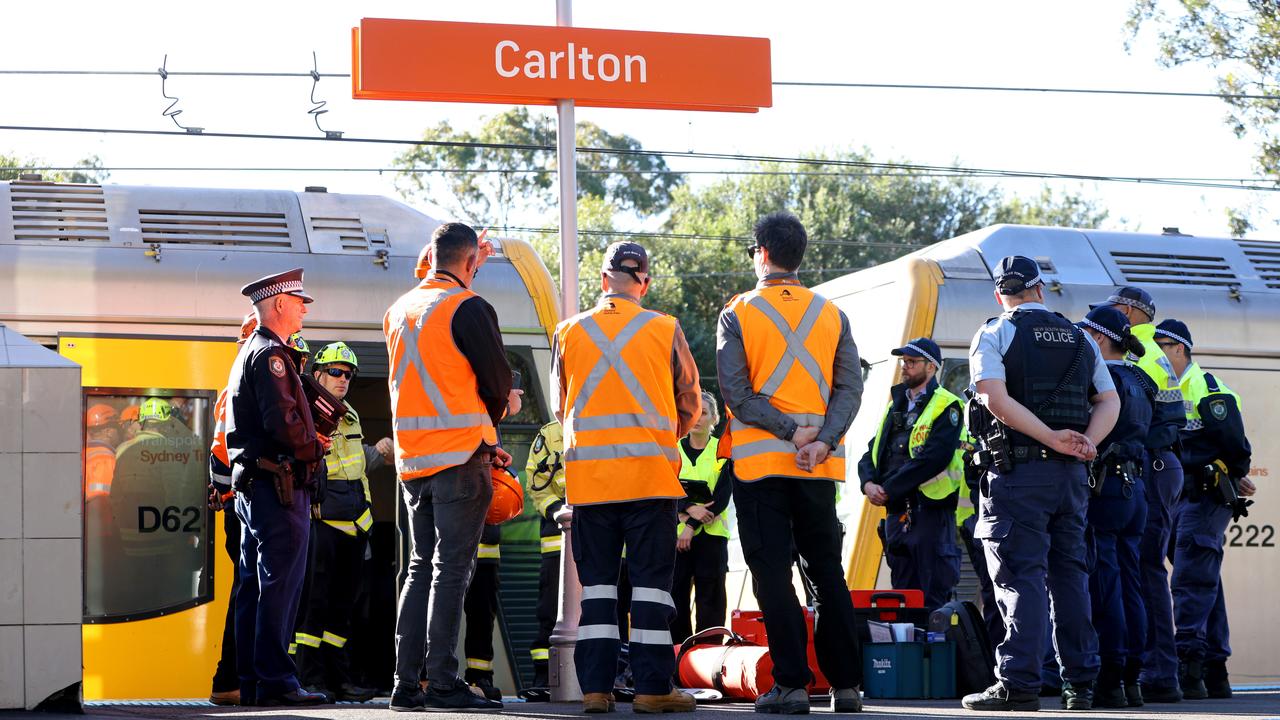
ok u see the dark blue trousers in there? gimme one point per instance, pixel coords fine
(273, 560)
(986, 591)
(922, 552)
(1163, 482)
(1197, 579)
(1032, 526)
(1115, 584)
(647, 528)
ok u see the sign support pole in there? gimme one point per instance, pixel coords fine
(562, 671)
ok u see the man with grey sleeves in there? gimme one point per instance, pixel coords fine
(790, 376)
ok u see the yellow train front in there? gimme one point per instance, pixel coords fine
(139, 285)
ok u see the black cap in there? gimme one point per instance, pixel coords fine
(1133, 297)
(618, 253)
(1175, 330)
(1017, 273)
(288, 282)
(921, 347)
(1108, 321)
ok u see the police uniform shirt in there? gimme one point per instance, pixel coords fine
(267, 411)
(993, 340)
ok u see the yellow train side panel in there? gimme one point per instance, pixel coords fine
(924, 277)
(171, 656)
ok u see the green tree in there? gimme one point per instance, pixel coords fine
(1053, 210)
(89, 170)
(639, 183)
(1241, 42)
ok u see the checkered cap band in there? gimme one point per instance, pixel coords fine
(925, 354)
(1175, 336)
(1131, 302)
(1105, 331)
(288, 286)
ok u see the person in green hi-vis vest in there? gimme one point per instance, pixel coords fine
(702, 539)
(914, 469)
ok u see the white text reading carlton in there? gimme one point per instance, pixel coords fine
(540, 65)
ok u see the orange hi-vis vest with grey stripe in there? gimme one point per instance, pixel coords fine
(438, 419)
(99, 469)
(219, 449)
(790, 335)
(620, 411)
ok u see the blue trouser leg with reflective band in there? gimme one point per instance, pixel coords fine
(1197, 572)
(1033, 529)
(1163, 485)
(273, 556)
(924, 554)
(648, 530)
(1118, 615)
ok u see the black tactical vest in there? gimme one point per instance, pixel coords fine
(1137, 396)
(898, 439)
(1043, 351)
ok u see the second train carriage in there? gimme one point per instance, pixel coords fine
(140, 286)
(1226, 290)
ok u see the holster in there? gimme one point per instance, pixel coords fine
(282, 473)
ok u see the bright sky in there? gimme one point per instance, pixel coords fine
(998, 42)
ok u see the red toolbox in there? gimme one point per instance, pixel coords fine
(888, 606)
(750, 625)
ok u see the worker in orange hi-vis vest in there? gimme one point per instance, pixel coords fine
(627, 390)
(450, 385)
(789, 373)
(102, 432)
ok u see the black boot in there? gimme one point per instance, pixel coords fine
(997, 697)
(1077, 696)
(1216, 682)
(483, 681)
(1191, 679)
(1132, 691)
(1109, 690)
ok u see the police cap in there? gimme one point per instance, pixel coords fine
(1175, 330)
(288, 282)
(1017, 273)
(1134, 297)
(921, 347)
(1106, 320)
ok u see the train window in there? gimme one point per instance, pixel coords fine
(955, 375)
(147, 538)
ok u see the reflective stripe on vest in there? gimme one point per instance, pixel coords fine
(707, 469)
(802, 395)
(624, 423)
(465, 429)
(364, 522)
(219, 449)
(1156, 365)
(946, 482)
(333, 639)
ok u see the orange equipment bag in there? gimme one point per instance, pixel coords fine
(738, 670)
(749, 624)
(508, 497)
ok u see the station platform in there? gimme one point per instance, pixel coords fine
(1247, 703)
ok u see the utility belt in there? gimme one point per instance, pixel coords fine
(1127, 471)
(1028, 453)
(283, 473)
(1214, 484)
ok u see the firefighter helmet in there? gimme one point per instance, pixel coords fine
(336, 353)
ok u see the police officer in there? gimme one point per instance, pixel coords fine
(270, 436)
(1216, 455)
(339, 536)
(1118, 511)
(790, 376)
(702, 546)
(913, 470)
(545, 471)
(626, 388)
(1027, 364)
(1158, 664)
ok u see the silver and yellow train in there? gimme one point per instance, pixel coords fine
(1228, 293)
(140, 286)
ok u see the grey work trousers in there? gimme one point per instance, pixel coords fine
(446, 516)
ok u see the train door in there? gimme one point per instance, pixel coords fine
(155, 576)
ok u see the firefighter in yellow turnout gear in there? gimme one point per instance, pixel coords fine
(545, 474)
(339, 536)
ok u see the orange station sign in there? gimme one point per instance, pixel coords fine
(537, 65)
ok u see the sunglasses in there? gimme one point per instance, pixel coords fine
(752, 250)
(340, 373)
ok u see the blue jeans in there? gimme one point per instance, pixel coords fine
(446, 517)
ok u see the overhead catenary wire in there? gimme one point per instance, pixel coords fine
(701, 236)
(776, 83)
(702, 155)
(581, 171)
